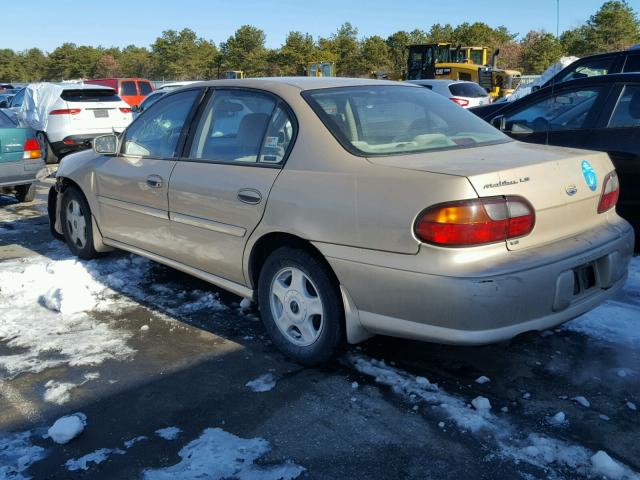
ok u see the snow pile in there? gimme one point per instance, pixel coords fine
(582, 401)
(263, 383)
(603, 464)
(481, 403)
(631, 406)
(524, 90)
(217, 454)
(60, 392)
(17, 454)
(536, 449)
(96, 458)
(558, 419)
(130, 443)
(43, 305)
(169, 433)
(482, 380)
(67, 428)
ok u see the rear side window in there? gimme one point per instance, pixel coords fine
(233, 126)
(5, 122)
(391, 120)
(589, 68)
(632, 64)
(145, 88)
(469, 90)
(627, 111)
(90, 95)
(128, 89)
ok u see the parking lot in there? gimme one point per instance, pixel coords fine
(138, 347)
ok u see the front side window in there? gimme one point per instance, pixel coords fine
(157, 132)
(390, 120)
(145, 88)
(233, 126)
(627, 111)
(567, 110)
(128, 89)
(589, 68)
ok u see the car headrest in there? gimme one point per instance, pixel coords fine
(251, 130)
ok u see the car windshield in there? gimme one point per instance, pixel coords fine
(469, 90)
(388, 120)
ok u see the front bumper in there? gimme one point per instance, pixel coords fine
(538, 292)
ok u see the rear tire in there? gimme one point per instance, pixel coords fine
(75, 216)
(26, 193)
(301, 306)
(48, 154)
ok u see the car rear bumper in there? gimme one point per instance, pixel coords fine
(540, 291)
(74, 143)
(19, 173)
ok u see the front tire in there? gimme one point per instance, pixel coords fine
(75, 216)
(301, 307)
(25, 193)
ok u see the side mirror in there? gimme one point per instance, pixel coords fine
(4, 104)
(499, 122)
(136, 109)
(106, 144)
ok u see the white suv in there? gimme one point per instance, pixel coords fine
(67, 117)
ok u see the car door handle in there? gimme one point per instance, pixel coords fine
(249, 195)
(154, 181)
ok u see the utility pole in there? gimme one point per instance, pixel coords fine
(557, 19)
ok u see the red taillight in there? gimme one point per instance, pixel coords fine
(460, 101)
(31, 149)
(125, 110)
(65, 111)
(610, 193)
(475, 222)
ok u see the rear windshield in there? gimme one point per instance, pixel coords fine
(90, 95)
(390, 120)
(6, 122)
(469, 90)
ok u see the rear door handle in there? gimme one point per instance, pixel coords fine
(250, 196)
(154, 181)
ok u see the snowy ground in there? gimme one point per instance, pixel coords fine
(176, 380)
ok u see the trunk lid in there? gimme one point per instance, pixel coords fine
(12, 142)
(563, 185)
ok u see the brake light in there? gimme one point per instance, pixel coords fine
(65, 111)
(460, 101)
(610, 193)
(31, 149)
(475, 222)
(125, 110)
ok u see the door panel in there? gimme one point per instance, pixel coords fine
(209, 220)
(132, 194)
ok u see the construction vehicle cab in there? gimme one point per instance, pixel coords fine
(444, 62)
(321, 69)
(234, 74)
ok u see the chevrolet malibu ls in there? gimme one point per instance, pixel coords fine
(348, 208)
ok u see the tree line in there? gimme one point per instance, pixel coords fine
(183, 55)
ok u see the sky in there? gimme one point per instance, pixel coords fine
(138, 22)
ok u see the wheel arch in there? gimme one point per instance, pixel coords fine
(269, 242)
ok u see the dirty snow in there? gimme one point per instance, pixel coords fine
(481, 403)
(631, 406)
(130, 443)
(97, 457)
(558, 419)
(245, 304)
(217, 454)
(67, 428)
(263, 383)
(17, 453)
(60, 392)
(168, 433)
(535, 449)
(603, 464)
(482, 379)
